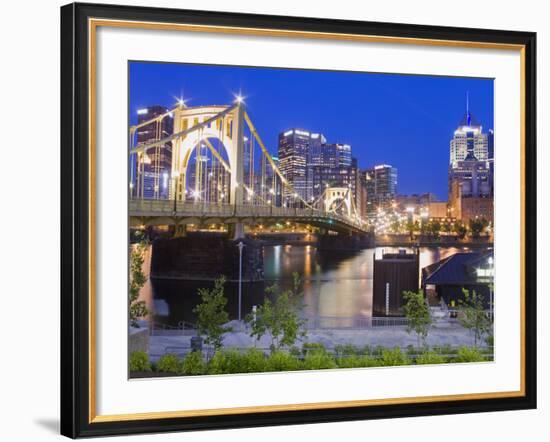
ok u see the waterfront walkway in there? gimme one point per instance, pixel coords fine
(452, 334)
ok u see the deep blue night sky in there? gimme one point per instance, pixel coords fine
(403, 120)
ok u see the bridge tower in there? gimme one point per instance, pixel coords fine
(224, 123)
(338, 197)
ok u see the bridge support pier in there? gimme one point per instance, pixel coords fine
(205, 256)
(180, 230)
(236, 231)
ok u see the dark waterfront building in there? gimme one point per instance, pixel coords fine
(381, 186)
(392, 275)
(156, 164)
(471, 271)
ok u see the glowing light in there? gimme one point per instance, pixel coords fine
(142, 111)
(239, 99)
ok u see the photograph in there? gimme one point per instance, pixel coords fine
(282, 220)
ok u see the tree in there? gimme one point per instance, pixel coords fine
(460, 229)
(412, 226)
(279, 318)
(211, 314)
(434, 228)
(477, 226)
(418, 315)
(138, 279)
(473, 316)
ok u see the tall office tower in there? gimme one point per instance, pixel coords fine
(151, 177)
(293, 159)
(381, 184)
(468, 138)
(470, 174)
(491, 153)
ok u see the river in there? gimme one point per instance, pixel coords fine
(334, 285)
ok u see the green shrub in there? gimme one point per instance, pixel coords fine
(312, 347)
(139, 361)
(430, 357)
(254, 361)
(343, 351)
(295, 351)
(445, 350)
(193, 364)
(369, 361)
(318, 360)
(169, 363)
(412, 351)
(226, 361)
(392, 357)
(352, 361)
(282, 361)
(468, 354)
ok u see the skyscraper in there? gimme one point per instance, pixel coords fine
(470, 172)
(294, 147)
(156, 164)
(381, 185)
(311, 164)
(468, 138)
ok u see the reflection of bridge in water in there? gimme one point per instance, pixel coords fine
(222, 173)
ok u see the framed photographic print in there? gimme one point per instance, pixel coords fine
(279, 220)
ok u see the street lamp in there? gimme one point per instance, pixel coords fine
(240, 245)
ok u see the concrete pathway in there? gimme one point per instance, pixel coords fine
(445, 334)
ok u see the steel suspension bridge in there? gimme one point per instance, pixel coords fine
(222, 173)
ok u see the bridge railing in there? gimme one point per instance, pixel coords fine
(147, 207)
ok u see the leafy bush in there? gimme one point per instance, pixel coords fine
(169, 363)
(139, 361)
(346, 350)
(352, 361)
(376, 351)
(430, 357)
(312, 347)
(227, 361)
(445, 350)
(254, 361)
(393, 357)
(318, 359)
(282, 361)
(468, 354)
(193, 364)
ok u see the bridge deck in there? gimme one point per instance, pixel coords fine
(147, 211)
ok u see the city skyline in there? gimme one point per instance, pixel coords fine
(418, 136)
